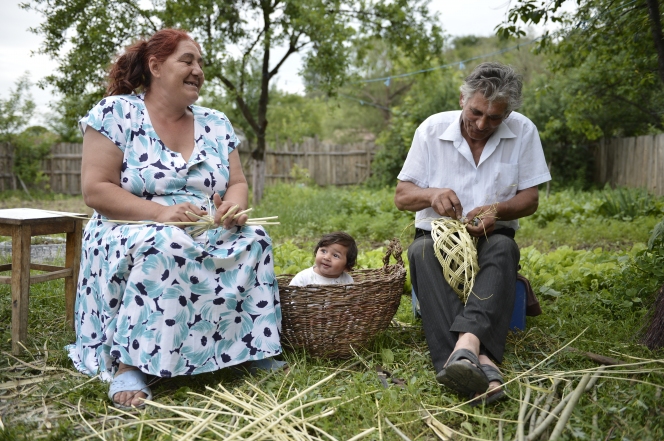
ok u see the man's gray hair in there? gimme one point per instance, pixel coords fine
(496, 82)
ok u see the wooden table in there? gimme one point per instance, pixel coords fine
(21, 224)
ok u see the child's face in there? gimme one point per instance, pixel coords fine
(331, 260)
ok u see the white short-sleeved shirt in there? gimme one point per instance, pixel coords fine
(440, 157)
(310, 277)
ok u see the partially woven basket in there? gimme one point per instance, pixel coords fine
(456, 251)
(330, 320)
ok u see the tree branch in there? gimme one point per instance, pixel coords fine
(244, 108)
(245, 56)
(142, 13)
(656, 29)
(292, 48)
(400, 90)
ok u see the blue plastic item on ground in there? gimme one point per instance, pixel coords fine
(518, 321)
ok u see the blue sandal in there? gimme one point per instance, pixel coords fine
(129, 381)
(461, 376)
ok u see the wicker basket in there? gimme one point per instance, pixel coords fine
(329, 320)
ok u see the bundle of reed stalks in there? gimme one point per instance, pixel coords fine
(202, 223)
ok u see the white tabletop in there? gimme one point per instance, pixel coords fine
(34, 214)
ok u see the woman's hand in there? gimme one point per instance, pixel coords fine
(178, 213)
(223, 207)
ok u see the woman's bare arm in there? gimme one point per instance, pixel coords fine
(237, 193)
(100, 182)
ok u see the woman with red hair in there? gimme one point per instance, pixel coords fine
(153, 298)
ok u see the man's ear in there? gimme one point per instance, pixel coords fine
(461, 100)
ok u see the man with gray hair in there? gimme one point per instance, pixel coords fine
(482, 164)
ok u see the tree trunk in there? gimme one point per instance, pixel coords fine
(258, 170)
(656, 29)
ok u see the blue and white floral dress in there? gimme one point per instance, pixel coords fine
(153, 297)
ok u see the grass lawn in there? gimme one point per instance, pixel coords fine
(583, 255)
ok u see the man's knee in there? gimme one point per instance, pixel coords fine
(499, 248)
(420, 250)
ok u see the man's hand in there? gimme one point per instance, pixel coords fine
(445, 202)
(481, 221)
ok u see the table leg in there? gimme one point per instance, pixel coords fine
(73, 261)
(20, 285)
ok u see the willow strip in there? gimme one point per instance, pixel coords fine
(362, 434)
(397, 431)
(567, 412)
(520, 431)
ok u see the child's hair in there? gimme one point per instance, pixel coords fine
(343, 239)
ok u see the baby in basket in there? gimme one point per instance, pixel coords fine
(335, 254)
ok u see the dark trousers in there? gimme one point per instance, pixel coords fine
(487, 312)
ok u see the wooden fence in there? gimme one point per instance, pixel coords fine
(328, 164)
(63, 168)
(7, 177)
(631, 162)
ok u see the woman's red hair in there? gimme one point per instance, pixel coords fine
(131, 72)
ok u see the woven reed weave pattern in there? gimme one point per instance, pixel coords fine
(455, 249)
(329, 320)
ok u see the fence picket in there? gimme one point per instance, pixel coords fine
(631, 162)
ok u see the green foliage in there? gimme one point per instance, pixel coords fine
(433, 93)
(575, 207)
(656, 240)
(597, 295)
(237, 37)
(309, 212)
(603, 79)
(294, 117)
(16, 111)
(629, 203)
(566, 272)
(31, 147)
(649, 263)
(604, 74)
(301, 175)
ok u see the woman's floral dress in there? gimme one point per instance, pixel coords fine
(153, 297)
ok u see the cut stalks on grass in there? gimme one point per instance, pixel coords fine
(559, 403)
(249, 415)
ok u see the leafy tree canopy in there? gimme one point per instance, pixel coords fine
(438, 91)
(16, 110)
(604, 63)
(239, 39)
